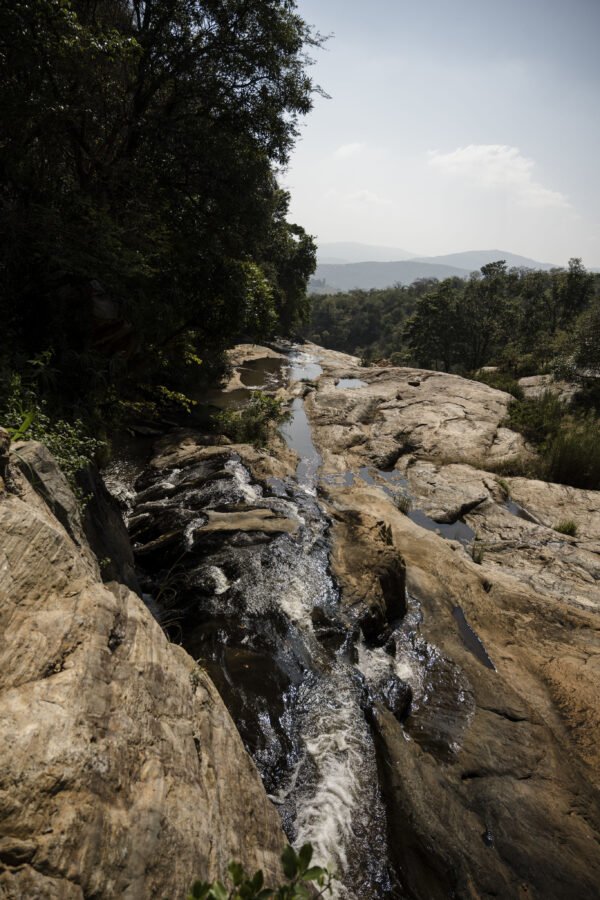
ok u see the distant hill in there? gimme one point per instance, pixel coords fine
(366, 275)
(473, 260)
(352, 252)
(340, 276)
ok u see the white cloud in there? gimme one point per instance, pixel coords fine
(366, 198)
(497, 166)
(346, 151)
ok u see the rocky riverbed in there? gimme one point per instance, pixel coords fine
(409, 650)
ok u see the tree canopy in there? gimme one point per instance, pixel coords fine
(521, 319)
(141, 145)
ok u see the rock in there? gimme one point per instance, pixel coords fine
(105, 530)
(503, 764)
(437, 415)
(39, 467)
(373, 575)
(123, 774)
(536, 385)
(328, 630)
(398, 697)
(4, 456)
(263, 520)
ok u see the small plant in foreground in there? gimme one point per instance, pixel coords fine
(567, 526)
(296, 868)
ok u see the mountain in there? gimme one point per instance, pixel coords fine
(366, 275)
(472, 260)
(337, 275)
(352, 252)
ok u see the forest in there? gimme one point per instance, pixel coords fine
(142, 226)
(499, 326)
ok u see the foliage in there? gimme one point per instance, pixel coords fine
(567, 526)
(141, 210)
(537, 418)
(573, 455)
(403, 502)
(477, 552)
(568, 441)
(502, 381)
(525, 321)
(300, 875)
(253, 423)
(25, 416)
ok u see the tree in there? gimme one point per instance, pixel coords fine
(141, 145)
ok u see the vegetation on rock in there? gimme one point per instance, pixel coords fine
(253, 423)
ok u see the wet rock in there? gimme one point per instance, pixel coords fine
(106, 532)
(329, 630)
(373, 574)
(398, 697)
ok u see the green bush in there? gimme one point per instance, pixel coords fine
(537, 418)
(573, 455)
(568, 441)
(301, 878)
(253, 423)
(26, 417)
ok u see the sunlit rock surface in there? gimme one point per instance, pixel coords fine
(122, 772)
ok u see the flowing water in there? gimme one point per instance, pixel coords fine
(262, 612)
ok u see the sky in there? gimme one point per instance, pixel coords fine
(454, 125)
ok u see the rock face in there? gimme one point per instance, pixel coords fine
(491, 780)
(122, 772)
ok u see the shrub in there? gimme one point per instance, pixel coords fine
(568, 442)
(502, 381)
(296, 868)
(537, 418)
(253, 423)
(567, 526)
(26, 417)
(573, 455)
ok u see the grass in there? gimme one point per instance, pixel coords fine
(504, 487)
(477, 552)
(403, 503)
(567, 526)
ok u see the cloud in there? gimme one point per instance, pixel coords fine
(348, 150)
(497, 166)
(366, 198)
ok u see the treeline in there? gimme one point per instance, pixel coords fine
(142, 227)
(518, 322)
(524, 321)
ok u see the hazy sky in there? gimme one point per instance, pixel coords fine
(454, 125)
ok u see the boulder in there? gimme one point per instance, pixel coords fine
(123, 774)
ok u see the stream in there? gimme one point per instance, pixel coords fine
(238, 572)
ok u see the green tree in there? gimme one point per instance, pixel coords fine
(141, 144)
